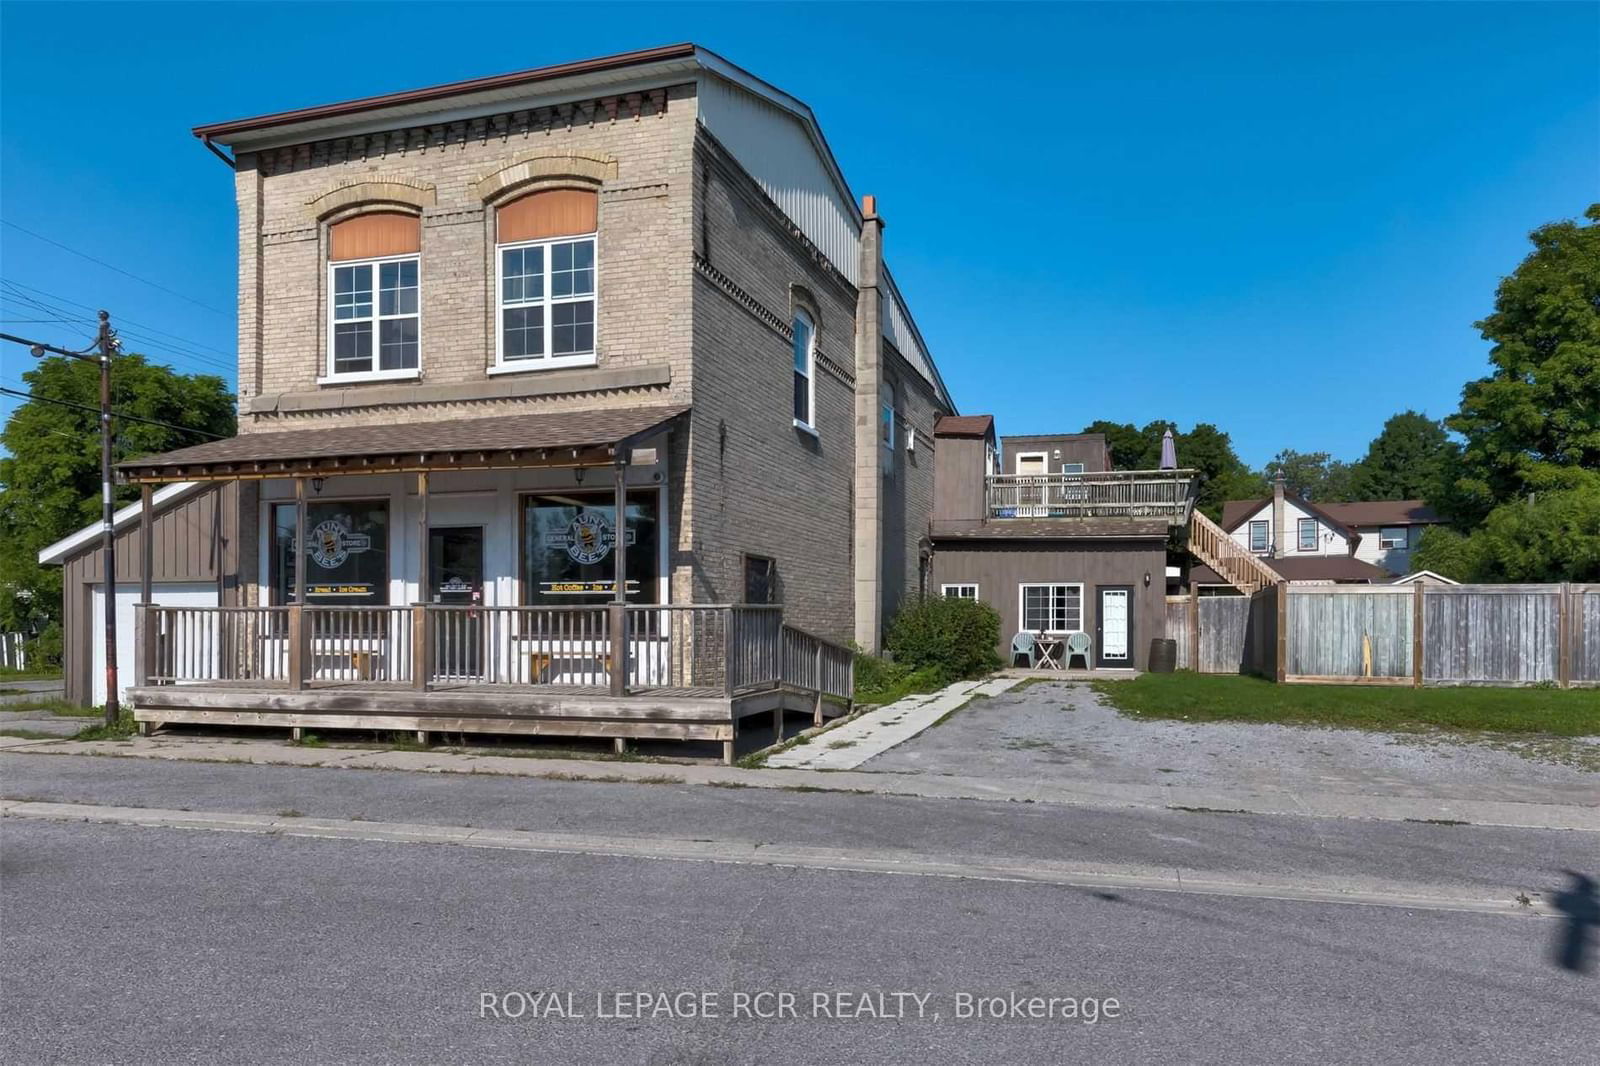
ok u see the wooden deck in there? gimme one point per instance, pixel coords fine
(675, 713)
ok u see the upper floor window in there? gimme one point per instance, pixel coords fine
(1308, 534)
(886, 427)
(1392, 537)
(374, 305)
(545, 267)
(1258, 535)
(805, 366)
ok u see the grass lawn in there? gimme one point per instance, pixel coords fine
(1228, 698)
(59, 708)
(7, 674)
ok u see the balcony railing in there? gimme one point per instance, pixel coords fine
(726, 648)
(1166, 494)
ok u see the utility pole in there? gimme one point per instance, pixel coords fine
(106, 341)
(104, 346)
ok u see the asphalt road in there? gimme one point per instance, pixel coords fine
(135, 945)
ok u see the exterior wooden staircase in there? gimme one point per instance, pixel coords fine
(1211, 544)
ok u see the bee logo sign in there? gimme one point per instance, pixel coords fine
(589, 538)
(331, 543)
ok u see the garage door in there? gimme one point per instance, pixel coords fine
(167, 594)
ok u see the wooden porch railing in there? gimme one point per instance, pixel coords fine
(817, 666)
(1165, 494)
(1212, 545)
(727, 648)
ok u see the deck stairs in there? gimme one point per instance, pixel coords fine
(1242, 569)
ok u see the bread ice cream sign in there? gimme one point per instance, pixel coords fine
(588, 538)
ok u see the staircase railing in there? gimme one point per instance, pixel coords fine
(1212, 545)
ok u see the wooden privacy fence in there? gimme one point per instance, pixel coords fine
(1396, 635)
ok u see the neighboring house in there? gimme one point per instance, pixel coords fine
(475, 318)
(1046, 533)
(1367, 541)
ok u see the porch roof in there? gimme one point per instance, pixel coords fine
(544, 439)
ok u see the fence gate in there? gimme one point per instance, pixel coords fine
(1349, 632)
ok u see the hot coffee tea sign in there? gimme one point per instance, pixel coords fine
(588, 538)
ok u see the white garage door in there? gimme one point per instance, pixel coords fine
(167, 594)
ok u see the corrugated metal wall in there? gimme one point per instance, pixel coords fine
(775, 148)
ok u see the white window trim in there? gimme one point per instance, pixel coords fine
(1250, 536)
(1405, 539)
(332, 377)
(944, 590)
(1300, 535)
(808, 423)
(1016, 462)
(502, 365)
(1022, 599)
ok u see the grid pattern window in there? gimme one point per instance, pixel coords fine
(959, 592)
(1052, 608)
(1391, 537)
(1308, 534)
(546, 281)
(374, 297)
(1258, 536)
(805, 365)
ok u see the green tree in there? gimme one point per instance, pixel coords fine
(1203, 448)
(1534, 423)
(1555, 536)
(1409, 460)
(1315, 476)
(50, 481)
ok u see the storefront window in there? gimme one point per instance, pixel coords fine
(567, 545)
(347, 542)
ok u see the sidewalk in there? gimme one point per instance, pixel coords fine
(1087, 792)
(853, 743)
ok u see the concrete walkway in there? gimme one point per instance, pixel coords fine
(1243, 798)
(875, 732)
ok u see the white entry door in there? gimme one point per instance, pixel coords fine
(167, 594)
(1116, 626)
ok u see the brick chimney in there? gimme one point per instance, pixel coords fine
(1278, 521)
(868, 553)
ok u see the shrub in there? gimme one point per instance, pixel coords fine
(955, 638)
(883, 681)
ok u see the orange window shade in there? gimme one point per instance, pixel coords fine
(370, 236)
(554, 213)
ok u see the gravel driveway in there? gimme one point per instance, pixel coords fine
(1061, 730)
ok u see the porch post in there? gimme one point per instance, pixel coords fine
(421, 647)
(617, 622)
(298, 638)
(143, 631)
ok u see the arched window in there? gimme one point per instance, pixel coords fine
(805, 371)
(545, 254)
(374, 305)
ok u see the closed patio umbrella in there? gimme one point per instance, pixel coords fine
(1169, 451)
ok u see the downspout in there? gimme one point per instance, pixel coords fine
(219, 153)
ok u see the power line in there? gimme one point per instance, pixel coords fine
(12, 284)
(117, 414)
(68, 317)
(112, 266)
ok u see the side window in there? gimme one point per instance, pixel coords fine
(1308, 534)
(886, 428)
(760, 579)
(1258, 535)
(545, 271)
(805, 368)
(374, 297)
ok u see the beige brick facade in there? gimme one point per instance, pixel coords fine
(698, 275)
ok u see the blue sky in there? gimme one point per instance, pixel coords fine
(1281, 219)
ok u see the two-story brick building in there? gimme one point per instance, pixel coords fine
(479, 320)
